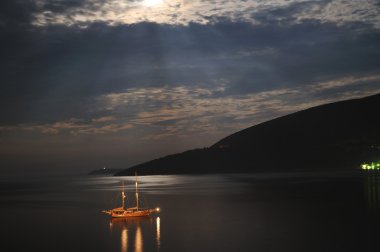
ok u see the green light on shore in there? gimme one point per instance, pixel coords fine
(370, 167)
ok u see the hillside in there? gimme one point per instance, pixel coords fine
(334, 136)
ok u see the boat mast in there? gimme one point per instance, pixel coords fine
(137, 194)
(122, 195)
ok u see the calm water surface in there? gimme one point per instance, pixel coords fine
(234, 212)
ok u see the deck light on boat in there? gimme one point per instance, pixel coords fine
(157, 209)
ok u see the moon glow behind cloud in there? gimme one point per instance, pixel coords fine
(151, 3)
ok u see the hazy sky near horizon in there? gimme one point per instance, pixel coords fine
(93, 83)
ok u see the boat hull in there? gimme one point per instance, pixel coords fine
(143, 213)
(121, 213)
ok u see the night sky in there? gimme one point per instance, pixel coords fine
(93, 83)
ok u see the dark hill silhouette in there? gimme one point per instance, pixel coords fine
(334, 136)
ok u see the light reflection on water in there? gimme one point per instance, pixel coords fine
(372, 186)
(124, 239)
(158, 233)
(138, 240)
(135, 229)
(169, 184)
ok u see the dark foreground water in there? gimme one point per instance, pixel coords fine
(263, 212)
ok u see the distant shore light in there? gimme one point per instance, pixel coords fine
(371, 166)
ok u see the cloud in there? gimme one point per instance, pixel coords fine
(104, 119)
(74, 126)
(104, 129)
(189, 110)
(183, 12)
(341, 12)
(182, 110)
(54, 73)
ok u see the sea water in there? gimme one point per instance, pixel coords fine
(231, 212)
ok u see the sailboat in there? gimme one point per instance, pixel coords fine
(136, 211)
